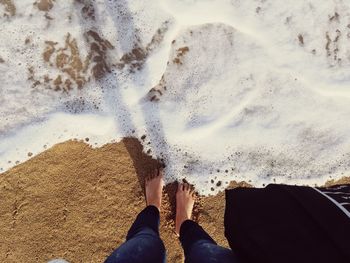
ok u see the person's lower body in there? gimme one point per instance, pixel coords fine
(143, 243)
(199, 247)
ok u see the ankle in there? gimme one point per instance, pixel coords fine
(155, 204)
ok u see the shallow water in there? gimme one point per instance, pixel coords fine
(223, 90)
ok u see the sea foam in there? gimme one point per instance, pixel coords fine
(223, 90)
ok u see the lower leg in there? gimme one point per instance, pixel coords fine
(147, 218)
(143, 243)
(197, 244)
(150, 217)
(144, 247)
(200, 247)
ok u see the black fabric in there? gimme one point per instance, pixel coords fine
(199, 247)
(148, 217)
(286, 224)
(190, 233)
(143, 243)
(339, 193)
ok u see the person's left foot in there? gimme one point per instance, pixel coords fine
(154, 187)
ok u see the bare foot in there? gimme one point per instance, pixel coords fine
(154, 186)
(184, 204)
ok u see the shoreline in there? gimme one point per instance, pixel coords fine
(77, 202)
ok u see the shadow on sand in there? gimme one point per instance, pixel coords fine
(113, 97)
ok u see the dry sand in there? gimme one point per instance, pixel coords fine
(77, 203)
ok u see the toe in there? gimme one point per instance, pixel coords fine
(187, 187)
(193, 194)
(161, 175)
(160, 172)
(148, 175)
(155, 173)
(179, 187)
(191, 190)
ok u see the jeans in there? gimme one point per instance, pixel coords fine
(199, 247)
(143, 243)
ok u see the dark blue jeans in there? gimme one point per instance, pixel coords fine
(199, 247)
(143, 243)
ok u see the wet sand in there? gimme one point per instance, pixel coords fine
(77, 203)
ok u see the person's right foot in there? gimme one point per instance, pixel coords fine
(153, 187)
(185, 198)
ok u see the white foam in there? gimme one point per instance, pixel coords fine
(257, 97)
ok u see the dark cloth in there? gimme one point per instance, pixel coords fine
(339, 193)
(147, 218)
(143, 244)
(200, 247)
(282, 223)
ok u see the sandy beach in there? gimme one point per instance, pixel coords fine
(77, 203)
(225, 93)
